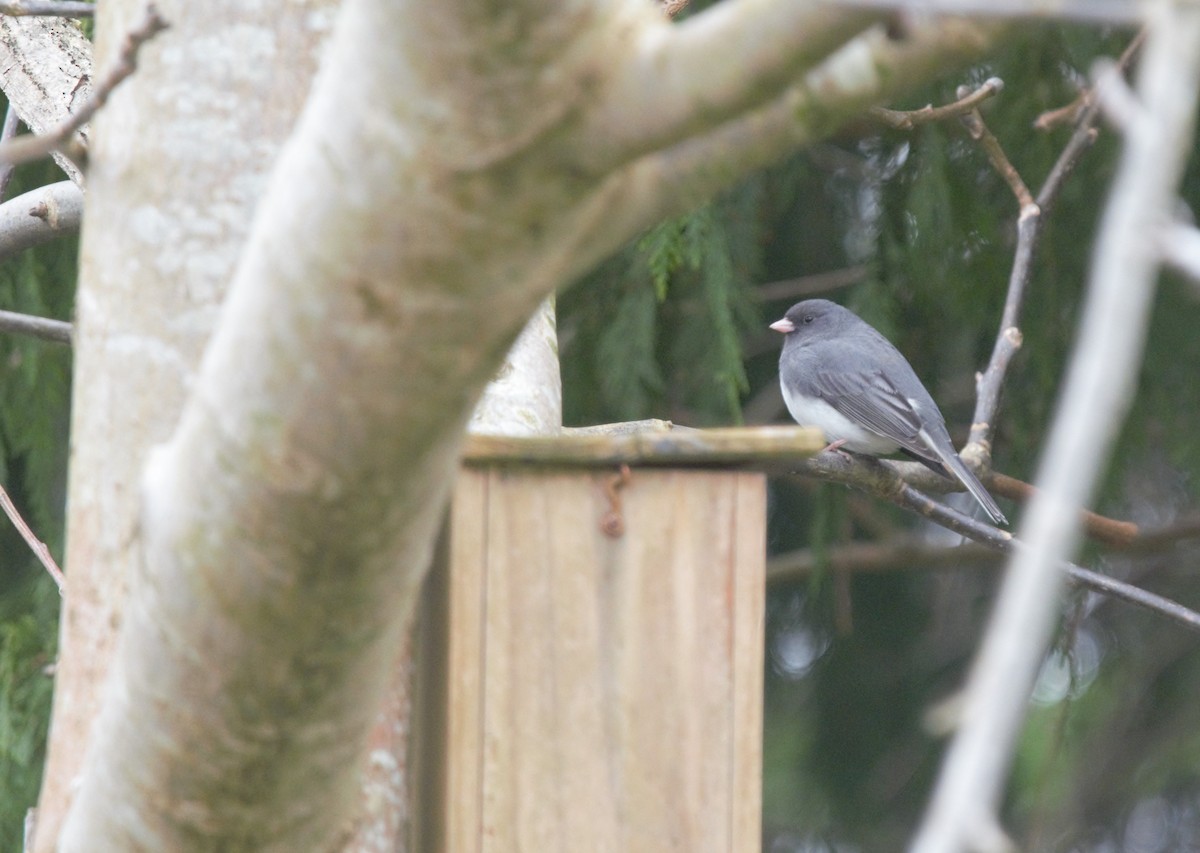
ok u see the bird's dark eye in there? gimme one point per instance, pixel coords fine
(807, 318)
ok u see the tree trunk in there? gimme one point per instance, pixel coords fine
(167, 211)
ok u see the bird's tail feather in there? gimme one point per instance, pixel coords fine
(964, 475)
(958, 469)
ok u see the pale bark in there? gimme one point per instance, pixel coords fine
(39, 216)
(45, 71)
(180, 156)
(447, 175)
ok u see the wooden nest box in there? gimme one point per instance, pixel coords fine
(597, 633)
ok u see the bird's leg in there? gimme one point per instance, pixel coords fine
(834, 445)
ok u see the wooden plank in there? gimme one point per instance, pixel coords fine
(678, 447)
(464, 641)
(608, 707)
(749, 621)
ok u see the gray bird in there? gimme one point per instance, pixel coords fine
(842, 376)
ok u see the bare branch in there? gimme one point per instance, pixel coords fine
(1001, 540)
(27, 148)
(691, 92)
(1097, 394)
(866, 71)
(36, 545)
(986, 140)
(990, 383)
(55, 331)
(45, 70)
(1094, 11)
(1072, 113)
(1110, 531)
(39, 216)
(966, 103)
(49, 9)
(885, 478)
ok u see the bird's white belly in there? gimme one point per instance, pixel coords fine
(813, 412)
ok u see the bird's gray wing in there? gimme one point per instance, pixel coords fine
(869, 398)
(873, 401)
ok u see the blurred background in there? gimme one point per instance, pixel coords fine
(872, 619)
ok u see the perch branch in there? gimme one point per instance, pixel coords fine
(34, 147)
(1000, 540)
(881, 479)
(36, 545)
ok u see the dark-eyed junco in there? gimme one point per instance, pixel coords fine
(839, 374)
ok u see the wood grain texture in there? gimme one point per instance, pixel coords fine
(605, 693)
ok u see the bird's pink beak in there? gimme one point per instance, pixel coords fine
(785, 326)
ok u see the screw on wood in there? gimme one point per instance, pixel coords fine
(612, 524)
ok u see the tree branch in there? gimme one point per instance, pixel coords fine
(671, 87)
(55, 331)
(62, 138)
(867, 70)
(1103, 11)
(48, 9)
(990, 383)
(36, 545)
(39, 216)
(967, 103)
(45, 68)
(1097, 394)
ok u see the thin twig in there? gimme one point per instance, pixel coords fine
(36, 545)
(966, 103)
(48, 9)
(27, 148)
(55, 331)
(973, 122)
(1072, 113)
(990, 383)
